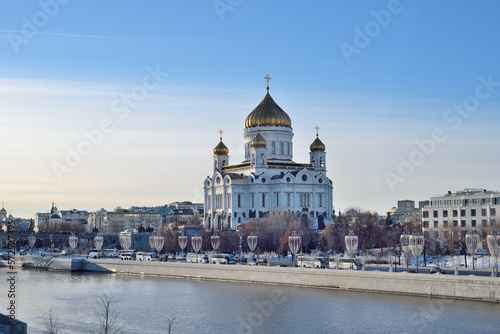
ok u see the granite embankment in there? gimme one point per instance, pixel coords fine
(444, 286)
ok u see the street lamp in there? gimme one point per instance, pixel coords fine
(252, 243)
(182, 241)
(294, 243)
(31, 242)
(215, 241)
(473, 242)
(125, 240)
(416, 246)
(159, 241)
(196, 243)
(405, 246)
(351, 243)
(98, 242)
(494, 248)
(73, 242)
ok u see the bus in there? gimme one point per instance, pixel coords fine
(192, 258)
(128, 255)
(345, 263)
(306, 261)
(222, 259)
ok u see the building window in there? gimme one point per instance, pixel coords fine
(263, 200)
(277, 199)
(320, 200)
(273, 148)
(426, 214)
(462, 212)
(473, 222)
(462, 223)
(282, 148)
(321, 162)
(455, 223)
(239, 200)
(445, 213)
(436, 224)
(426, 224)
(484, 222)
(483, 212)
(455, 213)
(473, 212)
(445, 223)
(288, 195)
(492, 212)
(435, 213)
(252, 199)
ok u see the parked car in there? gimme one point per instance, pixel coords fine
(436, 270)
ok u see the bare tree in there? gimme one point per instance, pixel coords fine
(51, 325)
(170, 324)
(108, 316)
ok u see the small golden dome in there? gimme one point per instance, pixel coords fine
(3, 212)
(221, 149)
(268, 113)
(258, 141)
(317, 145)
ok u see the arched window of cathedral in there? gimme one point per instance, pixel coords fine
(262, 159)
(282, 148)
(239, 220)
(215, 164)
(253, 159)
(288, 149)
(313, 161)
(273, 148)
(321, 162)
(239, 200)
(223, 163)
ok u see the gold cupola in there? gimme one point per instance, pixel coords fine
(268, 113)
(258, 141)
(317, 145)
(221, 149)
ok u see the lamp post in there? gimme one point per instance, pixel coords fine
(252, 243)
(294, 243)
(351, 243)
(125, 240)
(215, 241)
(196, 243)
(31, 242)
(473, 243)
(405, 247)
(182, 241)
(73, 242)
(416, 246)
(494, 248)
(159, 241)
(98, 242)
(152, 242)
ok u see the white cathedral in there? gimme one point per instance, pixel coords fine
(268, 180)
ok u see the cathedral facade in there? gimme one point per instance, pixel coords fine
(268, 180)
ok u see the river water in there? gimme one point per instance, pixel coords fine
(145, 305)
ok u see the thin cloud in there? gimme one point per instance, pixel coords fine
(79, 36)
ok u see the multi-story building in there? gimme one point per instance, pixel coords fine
(467, 209)
(268, 180)
(74, 216)
(404, 209)
(124, 219)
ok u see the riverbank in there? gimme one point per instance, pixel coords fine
(441, 286)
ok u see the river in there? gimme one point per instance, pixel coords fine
(145, 304)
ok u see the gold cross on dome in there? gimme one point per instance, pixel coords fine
(220, 131)
(317, 128)
(267, 77)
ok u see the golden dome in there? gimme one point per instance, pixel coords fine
(221, 149)
(258, 141)
(317, 145)
(3, 212)
(268, 113)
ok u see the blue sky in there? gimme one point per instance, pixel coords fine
(400, 85)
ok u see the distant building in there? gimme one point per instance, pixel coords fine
(54, 218)
(124, 219)
(467, 209)
(405, 208)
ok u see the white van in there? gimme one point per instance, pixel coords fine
(128, 255)
(144, 256)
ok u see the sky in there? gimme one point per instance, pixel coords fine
(119, 103)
